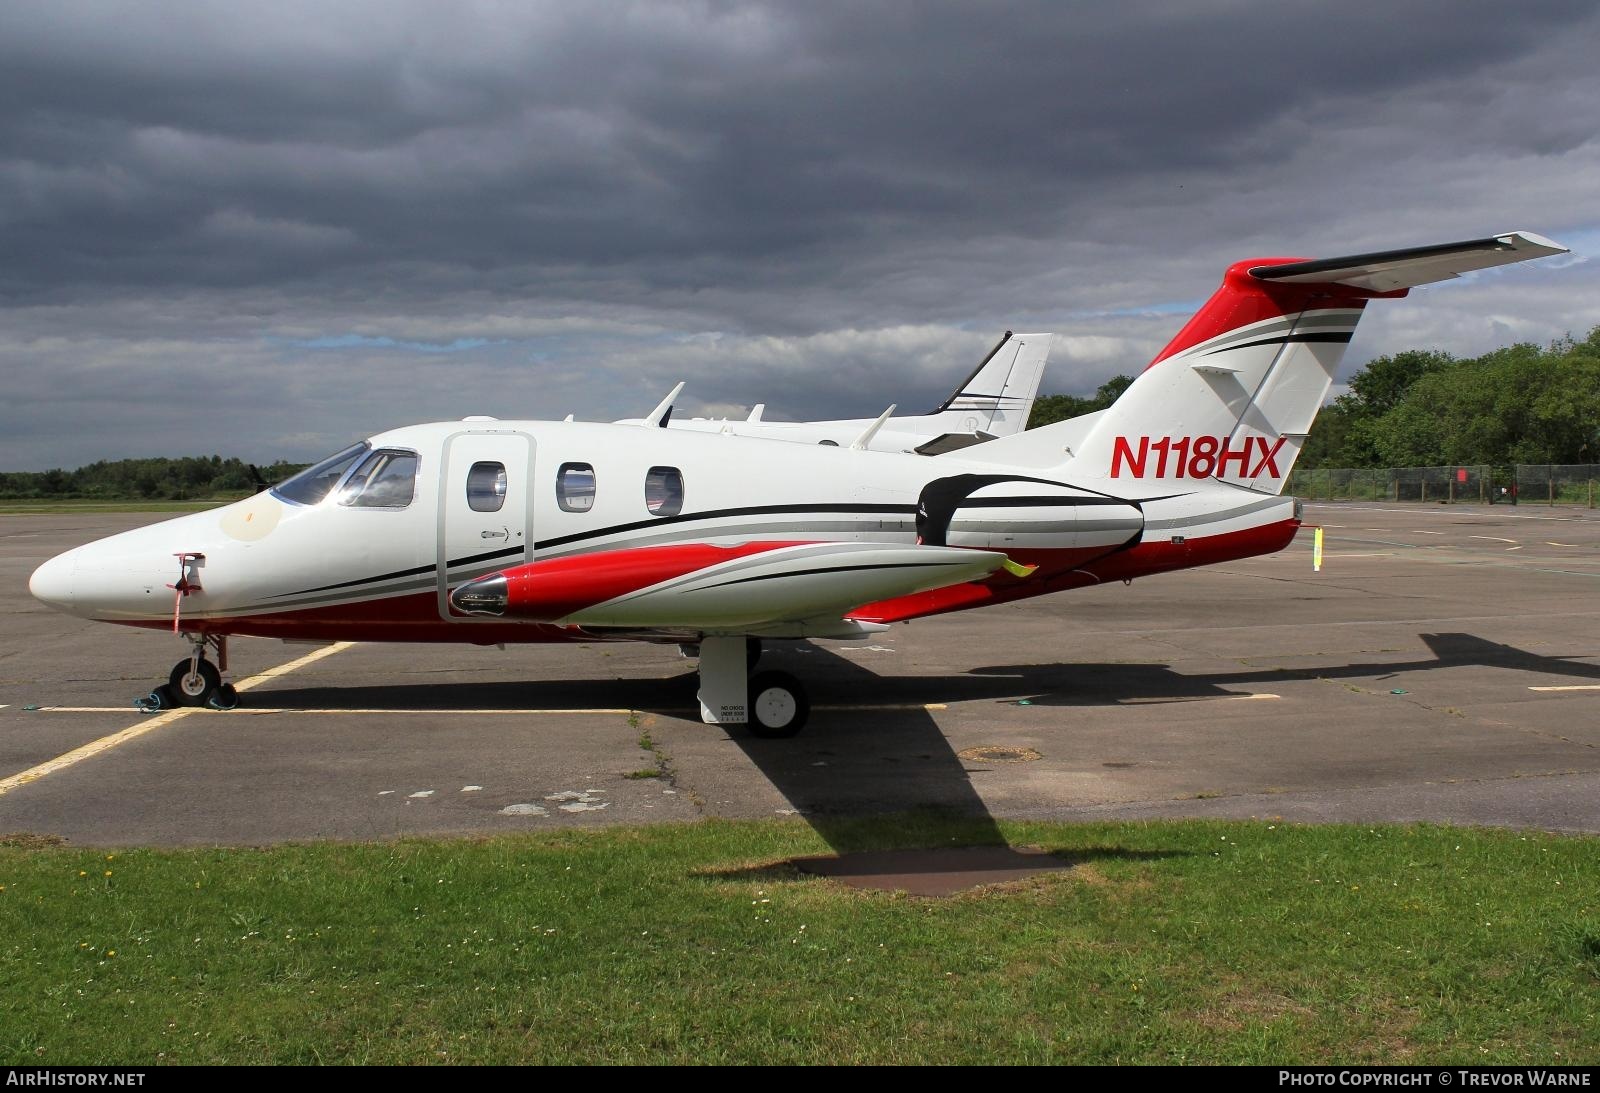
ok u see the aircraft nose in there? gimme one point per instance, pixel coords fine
(52, 582)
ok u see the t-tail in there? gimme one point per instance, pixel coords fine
(1233, 395)
(996, 399)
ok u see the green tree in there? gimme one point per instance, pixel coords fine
(1050, 409)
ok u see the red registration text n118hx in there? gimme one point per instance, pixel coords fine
(1196, 457)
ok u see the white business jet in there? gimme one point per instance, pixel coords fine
(490, 531)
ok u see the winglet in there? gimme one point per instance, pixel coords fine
(865, 438)
(755, 414)
(657, 418)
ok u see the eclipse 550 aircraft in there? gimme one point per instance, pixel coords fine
(494, 532)
(994, 401)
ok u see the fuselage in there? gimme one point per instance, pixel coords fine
(416, 512)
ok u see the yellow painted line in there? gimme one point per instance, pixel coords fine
(1197, 698)
(133, 732)
(929, 706)
(1573, 687)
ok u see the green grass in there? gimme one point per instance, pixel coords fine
(1168, 942)
(51, 507)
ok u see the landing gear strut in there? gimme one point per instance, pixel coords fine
(195, 681)
(773, 704)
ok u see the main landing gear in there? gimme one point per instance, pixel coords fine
(773, 704)
(195, 681)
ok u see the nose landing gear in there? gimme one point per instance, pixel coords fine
(195, 681)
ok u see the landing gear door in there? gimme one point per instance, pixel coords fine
(485, 501)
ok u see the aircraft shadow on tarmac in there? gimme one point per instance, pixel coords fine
(1111, 684)
(871, 748)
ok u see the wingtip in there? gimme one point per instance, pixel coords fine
(1534, 239)
(1017, 569)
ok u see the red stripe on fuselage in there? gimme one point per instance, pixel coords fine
(412, 617)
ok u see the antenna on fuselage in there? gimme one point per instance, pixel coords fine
(865, 438)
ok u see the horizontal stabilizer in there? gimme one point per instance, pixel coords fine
(1388, 271)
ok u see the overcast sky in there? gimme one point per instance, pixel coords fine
(264, 230)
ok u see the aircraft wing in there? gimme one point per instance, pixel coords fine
(1388, 271)
(742, 588)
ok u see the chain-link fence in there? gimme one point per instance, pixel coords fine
(1571, 484)
(1556, 483)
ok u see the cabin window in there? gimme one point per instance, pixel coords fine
(317, 481)
(575, 487)
(663, 491)
(386, 479)
(486, 487)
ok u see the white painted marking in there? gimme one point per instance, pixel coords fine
(1510, 549)
(524, 810)
(1496, 538)
(1415, 532)
(1570, 687)
(1547, 542)
(385, 792)
(422, 793)
(133, 732)
(470, 789)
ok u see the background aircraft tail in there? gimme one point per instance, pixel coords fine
(1233, 395)
(998, 396)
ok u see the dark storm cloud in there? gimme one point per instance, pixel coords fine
(624, 195)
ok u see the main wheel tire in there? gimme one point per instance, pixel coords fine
(752, 654)
(194, 689)
(778, 705)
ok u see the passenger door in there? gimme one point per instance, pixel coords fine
(485, 501)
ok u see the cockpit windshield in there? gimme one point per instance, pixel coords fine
(314, 483)
(386, 479)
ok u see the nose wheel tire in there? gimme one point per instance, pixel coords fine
(778, 705)
(194, 688)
